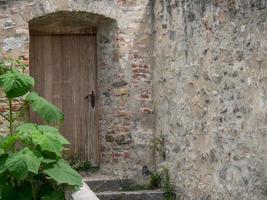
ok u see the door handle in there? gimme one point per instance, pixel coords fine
(92, 98)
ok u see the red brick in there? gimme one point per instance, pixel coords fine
(125, 114)
(16, 107)
(127, 155)
(140, 66)
(3, 109)
(138, 75)
(221, 16)
(145, 96)
(146, 110)
(122, 103)
(140, 70)
(145, 66)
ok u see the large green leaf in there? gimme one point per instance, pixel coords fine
(47, 143)
(15, 83)
(45, 109)
(22, 191)
(2, 151)
(7, 192)
(24, 132)
(27, 128)
(7, 142)
(20, 163)
(32, 159)
(61, 172)
(3, 168)
(17, 167)
(53, 132)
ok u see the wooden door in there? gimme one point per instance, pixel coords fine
(64, 67)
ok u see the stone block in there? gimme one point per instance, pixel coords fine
(11, 43)
(85, 193)
(121, 92)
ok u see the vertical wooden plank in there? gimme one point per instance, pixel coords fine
(84, 91)
(86, 66)
(57, 71)
(68, 92)
(47, 65)
(77, 109)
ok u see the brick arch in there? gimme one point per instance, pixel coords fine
(47, 7)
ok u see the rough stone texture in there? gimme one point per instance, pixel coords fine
(210, 96)
(124, 70)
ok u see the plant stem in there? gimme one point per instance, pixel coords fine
(11, 121)
(32, 186)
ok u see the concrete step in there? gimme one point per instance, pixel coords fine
(136, 195)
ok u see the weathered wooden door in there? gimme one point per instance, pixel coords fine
(64, 67)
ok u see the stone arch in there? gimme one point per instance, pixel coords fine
(70, 18)
(43, 8)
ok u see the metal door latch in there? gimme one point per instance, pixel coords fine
(92, 98)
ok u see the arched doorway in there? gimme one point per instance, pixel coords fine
(63, 62)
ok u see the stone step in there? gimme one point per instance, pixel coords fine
(109, 188)
(136, 195)
(101, 184)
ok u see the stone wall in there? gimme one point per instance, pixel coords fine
(124, 71)
(210, 87)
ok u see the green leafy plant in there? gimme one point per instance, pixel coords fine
(31, 162)
(155, 181)
(158, 144)
(168, 186)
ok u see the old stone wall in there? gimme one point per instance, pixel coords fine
(210, 96)
(123, 71)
